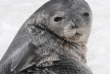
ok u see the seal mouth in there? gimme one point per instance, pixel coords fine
(78, 34)
(70, 37)
(71, 33)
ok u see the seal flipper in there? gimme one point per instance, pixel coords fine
(23, 57)
(58, 64)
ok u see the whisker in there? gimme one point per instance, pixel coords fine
(93, 33)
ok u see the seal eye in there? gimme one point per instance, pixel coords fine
(57, 19)
(86, 14)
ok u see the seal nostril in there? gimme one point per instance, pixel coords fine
(76, 26)
(72, 26)
(78, 20)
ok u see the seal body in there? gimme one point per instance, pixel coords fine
(52, 41)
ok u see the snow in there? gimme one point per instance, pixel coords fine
(13, 13)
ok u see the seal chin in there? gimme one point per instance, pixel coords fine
(73, 37)
(76, 37)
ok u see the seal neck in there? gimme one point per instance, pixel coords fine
(77, 50)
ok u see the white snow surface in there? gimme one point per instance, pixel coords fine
(13, 14)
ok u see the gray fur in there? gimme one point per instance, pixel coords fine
(44, 45)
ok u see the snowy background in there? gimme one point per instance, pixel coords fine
(13, 14)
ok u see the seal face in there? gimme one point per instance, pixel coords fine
(70, 19)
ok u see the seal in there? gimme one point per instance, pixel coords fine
(52, 41)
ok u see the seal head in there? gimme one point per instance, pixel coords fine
(69, 19)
